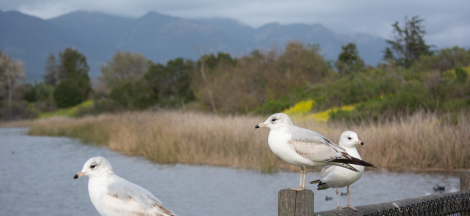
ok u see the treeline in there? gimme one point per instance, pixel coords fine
(66, 83)
(412, 77)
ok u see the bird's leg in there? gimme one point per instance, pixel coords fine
(301, 178)
(349, 205)
(337, 198)
(305, 178)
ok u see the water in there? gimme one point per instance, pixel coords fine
(36, 179)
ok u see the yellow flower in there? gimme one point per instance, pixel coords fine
(321, 116)
(301, 108)
(324, 116)
(450, 74)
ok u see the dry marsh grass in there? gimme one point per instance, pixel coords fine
(419, 142)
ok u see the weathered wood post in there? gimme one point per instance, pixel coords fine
(465, 180)
(293, 203)
(465, 185)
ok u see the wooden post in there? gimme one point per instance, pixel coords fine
(465, 180)
(465, 185)
(293, 203)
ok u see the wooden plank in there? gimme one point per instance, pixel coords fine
(465, 180)
(286, 202)
(293, 203)
(304, 203)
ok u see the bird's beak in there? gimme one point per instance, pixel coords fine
(260, 125)
(360, 142)
(78, 175)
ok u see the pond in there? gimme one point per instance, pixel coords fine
(37, 176)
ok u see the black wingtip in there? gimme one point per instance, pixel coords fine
(353, 160)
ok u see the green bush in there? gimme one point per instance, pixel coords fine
(461, 75)
(133, 95)
(455, 105)
(67, 94)
(273, 106)
(413, 96)
(30, 94)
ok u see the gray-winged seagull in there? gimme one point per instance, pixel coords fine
(338, 177)
(305, 148)
(114, 196)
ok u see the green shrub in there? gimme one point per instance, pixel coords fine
(67, 94)
(455, 104)
(461, 75)
(273, 106)
(133, 95)
(30, 94)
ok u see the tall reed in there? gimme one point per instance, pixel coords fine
(419, 142)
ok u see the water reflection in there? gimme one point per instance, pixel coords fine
(37, 179)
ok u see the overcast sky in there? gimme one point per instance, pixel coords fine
(447, 22)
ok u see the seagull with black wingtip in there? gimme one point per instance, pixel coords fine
(305, 148)
(337, 177)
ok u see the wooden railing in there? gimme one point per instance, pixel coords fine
(292, 203)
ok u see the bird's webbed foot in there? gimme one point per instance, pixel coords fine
(297, 189)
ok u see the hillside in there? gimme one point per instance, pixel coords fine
(159, 37)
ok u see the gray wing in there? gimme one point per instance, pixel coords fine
(327, 170)
(126, 191)
(309, 136)
(315, 147)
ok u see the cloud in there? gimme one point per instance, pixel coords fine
(446, 22)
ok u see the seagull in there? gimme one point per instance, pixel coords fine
(113, 195)
(305, 148)
(338, 177)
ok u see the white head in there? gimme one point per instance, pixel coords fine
(277, 121)
(349, 139)
(95, 167)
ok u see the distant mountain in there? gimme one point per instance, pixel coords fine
(159, 37)
(32, 39)
(94, 26)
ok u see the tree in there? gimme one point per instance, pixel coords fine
(10, 73)
(51, 74)
(203, 59)
(125, 67)
(461, 75)
(67, 94)
(73, 68)
(349, 61)
(135, 95)
(408, 43)
(171, 82)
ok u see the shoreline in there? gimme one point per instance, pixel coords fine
(418, 143)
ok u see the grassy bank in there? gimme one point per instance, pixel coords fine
(419, 142)
(20, 123)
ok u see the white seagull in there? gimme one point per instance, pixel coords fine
(113, 195)
(338, 177)
(305, 148)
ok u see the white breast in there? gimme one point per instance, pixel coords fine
(342, 177)
(97, 190)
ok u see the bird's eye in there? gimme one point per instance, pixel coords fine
(93, 166)
(349, 138)
(274, 120)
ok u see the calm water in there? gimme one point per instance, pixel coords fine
(36, 179)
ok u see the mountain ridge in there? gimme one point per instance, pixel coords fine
(160, 38)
